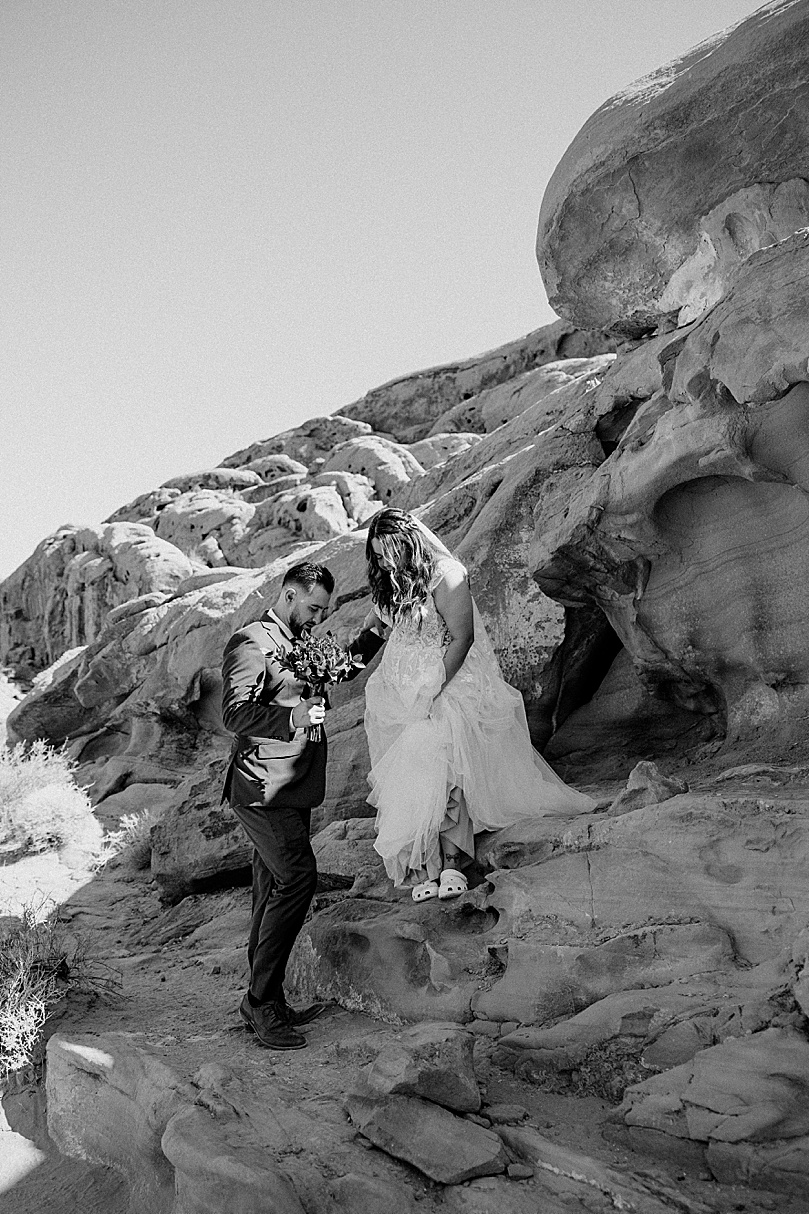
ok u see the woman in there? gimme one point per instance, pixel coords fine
(448, 737)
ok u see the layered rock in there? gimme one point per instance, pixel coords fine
(443, 399)
(221, 1140)
(388, 465)
(150, 677)
(308, 444)
(673, 183)
(741, 1104)
(697, 515)
(59, 598)
(635, 531)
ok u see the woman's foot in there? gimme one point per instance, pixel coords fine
(453, 884)
(425, 890)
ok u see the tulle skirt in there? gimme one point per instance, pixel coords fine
(469, 749)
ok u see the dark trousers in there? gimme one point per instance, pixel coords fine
(284, 880)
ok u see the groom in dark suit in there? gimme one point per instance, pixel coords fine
(275, 778)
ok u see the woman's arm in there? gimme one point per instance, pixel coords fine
(453, 601)
(372, 623)
(368, 641)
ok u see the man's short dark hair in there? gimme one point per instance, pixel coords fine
(307, 574)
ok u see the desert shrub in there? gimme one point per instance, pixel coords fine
(41, 806)
(39, 964)
(130, 842)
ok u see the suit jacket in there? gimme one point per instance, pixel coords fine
(271, 763)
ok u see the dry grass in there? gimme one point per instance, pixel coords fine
(40, 962)
(130, 842)
(41, 806)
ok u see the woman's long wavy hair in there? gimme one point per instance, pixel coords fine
(400, 595)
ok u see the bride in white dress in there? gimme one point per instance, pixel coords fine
(450, 750)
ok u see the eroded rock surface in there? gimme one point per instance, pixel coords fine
(59, 598)
(698, 511)
(427, 1136)
(432, 1061)
(634, 524)
(443, 398)
(743, 1103)
(671, 184)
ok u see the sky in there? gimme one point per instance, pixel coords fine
(221, 217)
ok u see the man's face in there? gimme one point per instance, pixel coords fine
(307, 608)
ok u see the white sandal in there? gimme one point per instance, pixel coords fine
(425, 890)
(453, 884)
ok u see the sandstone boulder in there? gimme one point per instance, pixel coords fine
(234, 479)
(271, 468)
(221, 529)
(718, 450)
(485, 513)
(59, 598)
(198, 843)
(414, 962)
(753, 344)
(307, 444)
(345, 855)
(50, 710)
(357, 493)
(310, 512)
(529, 429)
(661, 1026)
(222, 1140)
(278, 484)
(674, 182)
(435, 401)
(111, 1107)
(206, 524)
(647, 785)
(432, 1061)
(545, 981)
(623, 720)
(499, 405)
(673, 902)
(388, 465)
(145, 508)
(738, 866)
(438, 448)
(572, 1177)
(743, 1102)
(430, 1138)
(134, 801)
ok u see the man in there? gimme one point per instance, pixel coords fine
(276, 776)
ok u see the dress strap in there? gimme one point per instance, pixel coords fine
(443, 564)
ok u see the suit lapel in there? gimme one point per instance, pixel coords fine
(276, 639)
(277, 646)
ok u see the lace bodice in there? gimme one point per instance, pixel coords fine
(432, 633)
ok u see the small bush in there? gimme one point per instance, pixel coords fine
(39, 964)
(130, 842)
(41, 806)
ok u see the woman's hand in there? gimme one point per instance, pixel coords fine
(372, 623)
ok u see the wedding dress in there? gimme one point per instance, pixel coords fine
(456, 765)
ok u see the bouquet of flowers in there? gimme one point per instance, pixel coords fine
(318, 661)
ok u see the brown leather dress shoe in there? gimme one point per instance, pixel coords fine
(296, 1016)
(270, 1025)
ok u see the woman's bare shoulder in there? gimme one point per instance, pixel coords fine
(448, 573)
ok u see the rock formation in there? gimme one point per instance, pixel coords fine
(672, 184)
(630, 498)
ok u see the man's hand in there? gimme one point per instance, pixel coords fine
(309, 712)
